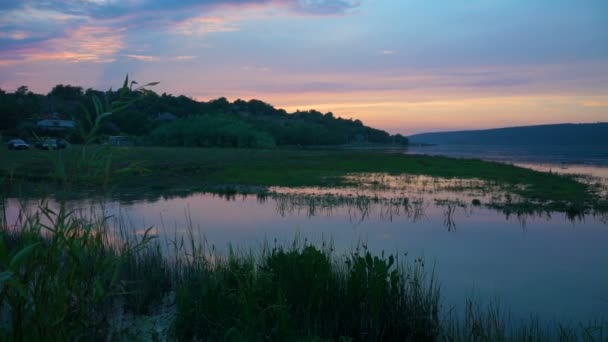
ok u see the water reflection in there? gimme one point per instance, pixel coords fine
(373, 197)
(518, 252)
(472, 246)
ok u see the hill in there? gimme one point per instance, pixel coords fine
(557, 134)
(164, 119)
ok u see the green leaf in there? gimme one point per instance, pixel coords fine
(98, 105)
(87, 114)
(369, 260)
(101, 117)
(16, 285)
(22, 255)
(99, 290)
(126, 83)
(151, 84)
(5, 276)
(121, 108)
(106, 99)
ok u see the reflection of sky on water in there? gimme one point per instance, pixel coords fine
(543, 264)
(548, 265)
(590, 163)
(587, 170)
(545, 154)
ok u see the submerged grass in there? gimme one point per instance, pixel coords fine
(158, 169)
(65, 278)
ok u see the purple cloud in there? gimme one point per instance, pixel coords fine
(105, 10)
(27, 25)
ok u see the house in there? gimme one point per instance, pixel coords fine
(120, 140)
(56, 124)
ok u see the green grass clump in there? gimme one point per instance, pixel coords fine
(62, 278)
(146, 277)
(56, 280)
(303, 292)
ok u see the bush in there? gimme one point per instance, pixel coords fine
(207, 131)
(304, 293)
(57, 286)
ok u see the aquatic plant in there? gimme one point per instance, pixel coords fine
(63, 277)
(302, 291)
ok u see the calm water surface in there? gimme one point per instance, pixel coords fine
(542, 265)
(557, 155)
(545, 265)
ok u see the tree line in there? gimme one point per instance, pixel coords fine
(165, 119)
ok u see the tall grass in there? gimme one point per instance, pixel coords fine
(493, 323)
(61, 277)
(304, 292)
(66, 278)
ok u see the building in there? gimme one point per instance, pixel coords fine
(56, 124)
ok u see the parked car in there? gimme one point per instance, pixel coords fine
(17, 144)
(52, 144)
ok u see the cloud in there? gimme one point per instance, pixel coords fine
(594, 104)
(255, 68)
(82, 44)
(183, 58)
(105, 9)
(15, 35)
(94, 30)
(204, 25)
(323, 7)
(144, 58)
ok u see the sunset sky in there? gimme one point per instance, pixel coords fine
(406, 66)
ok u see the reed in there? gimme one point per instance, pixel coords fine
(63, 277)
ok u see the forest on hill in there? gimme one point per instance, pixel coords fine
(167, 120)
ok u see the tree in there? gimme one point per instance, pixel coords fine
(22, 91)
(67, 92)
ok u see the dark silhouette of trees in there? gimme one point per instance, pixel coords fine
(155, 117)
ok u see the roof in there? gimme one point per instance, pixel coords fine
(56, 124)
(165, 117)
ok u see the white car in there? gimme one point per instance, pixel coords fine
(17, 144)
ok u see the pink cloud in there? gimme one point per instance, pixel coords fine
(15, 35)
(184, 58)
(594, 104)
(83, 44)
(204, 25)
(144, 58)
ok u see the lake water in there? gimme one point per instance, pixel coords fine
(550, 154)
(544, 265)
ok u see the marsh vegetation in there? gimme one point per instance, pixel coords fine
(68, 276)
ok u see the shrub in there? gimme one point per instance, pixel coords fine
(206, 131)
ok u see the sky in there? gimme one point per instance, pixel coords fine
(405, 66)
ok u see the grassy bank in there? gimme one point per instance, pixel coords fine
(195, 169)
(70, 279)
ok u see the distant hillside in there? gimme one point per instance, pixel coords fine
(558, 134)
